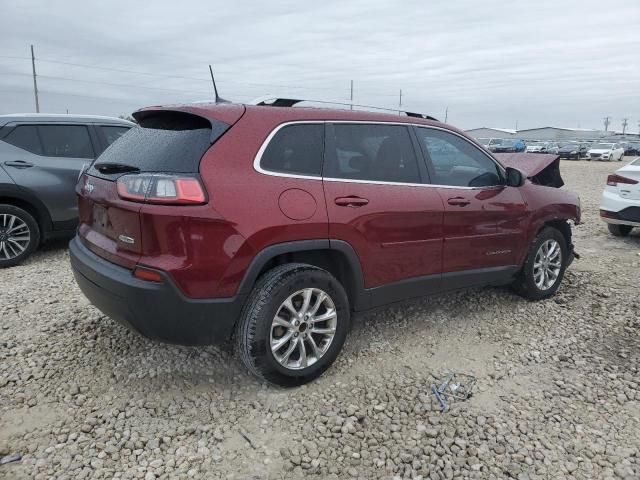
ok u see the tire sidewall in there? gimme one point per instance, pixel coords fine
(260, 344)
(546, 234)
(34, 233)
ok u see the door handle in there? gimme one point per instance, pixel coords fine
(458, 201)
(18, 164)
(351, 201)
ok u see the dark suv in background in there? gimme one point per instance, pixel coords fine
(41, 157)
(272, 224)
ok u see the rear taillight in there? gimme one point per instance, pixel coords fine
(161, 189)
(613, 180)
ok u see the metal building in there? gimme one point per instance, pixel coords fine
(555, 133)
(488, 132)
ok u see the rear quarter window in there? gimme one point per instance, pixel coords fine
(295, 149)
(25, 137)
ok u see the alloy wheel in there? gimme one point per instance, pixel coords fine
(303, 328)
(547, 264)
(14, 236)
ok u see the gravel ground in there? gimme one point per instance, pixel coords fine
(558, 392)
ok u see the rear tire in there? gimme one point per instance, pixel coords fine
(287, 348)
(542, 272)
(19, 235)
(619, 230)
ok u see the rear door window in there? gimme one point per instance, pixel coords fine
(296, 150)
(25, 137)
(373, 152)
(113, 133)
(66, 141)
(456, 161)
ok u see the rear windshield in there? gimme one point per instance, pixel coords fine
(172, 142)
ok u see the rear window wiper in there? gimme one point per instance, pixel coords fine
(108, 167)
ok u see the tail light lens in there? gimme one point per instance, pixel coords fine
(161, 189)
(614, 180)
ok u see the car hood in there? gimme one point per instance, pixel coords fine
(600, 150)
(543, 169)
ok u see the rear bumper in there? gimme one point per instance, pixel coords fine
(619, 210)
(156, 310)
(627, 216)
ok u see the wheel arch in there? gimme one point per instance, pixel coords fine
(562, 225)
(14, 195)
(335, 256)
(559, 223)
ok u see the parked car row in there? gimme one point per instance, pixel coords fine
(571, 150)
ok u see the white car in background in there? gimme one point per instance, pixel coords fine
(620, 206)
(605, 151)
(537, 147)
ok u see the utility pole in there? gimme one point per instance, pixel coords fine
(351, 95)
(400, 103)
(607, 121)
(35, 83)
(446, 114)
(625, 122)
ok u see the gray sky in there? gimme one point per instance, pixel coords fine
(565, 63)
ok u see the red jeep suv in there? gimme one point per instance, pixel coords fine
(271, 225)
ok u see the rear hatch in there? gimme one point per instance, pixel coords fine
(629, 190)
(167, 143)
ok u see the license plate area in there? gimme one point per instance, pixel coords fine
(100, 219)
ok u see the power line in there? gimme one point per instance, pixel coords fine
(110, 84)
(108, 69)
(183, 77)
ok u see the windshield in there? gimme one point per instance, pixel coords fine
(603, 146)
(496, 141)
(536, 144)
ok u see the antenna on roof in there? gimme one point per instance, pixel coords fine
(218, 98)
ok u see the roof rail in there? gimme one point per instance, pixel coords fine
(269, 101)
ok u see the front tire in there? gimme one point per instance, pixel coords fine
(619, 230)
(544, 267)
(293, 325)
(19, 235)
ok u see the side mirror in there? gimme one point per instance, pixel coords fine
(515, 178)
